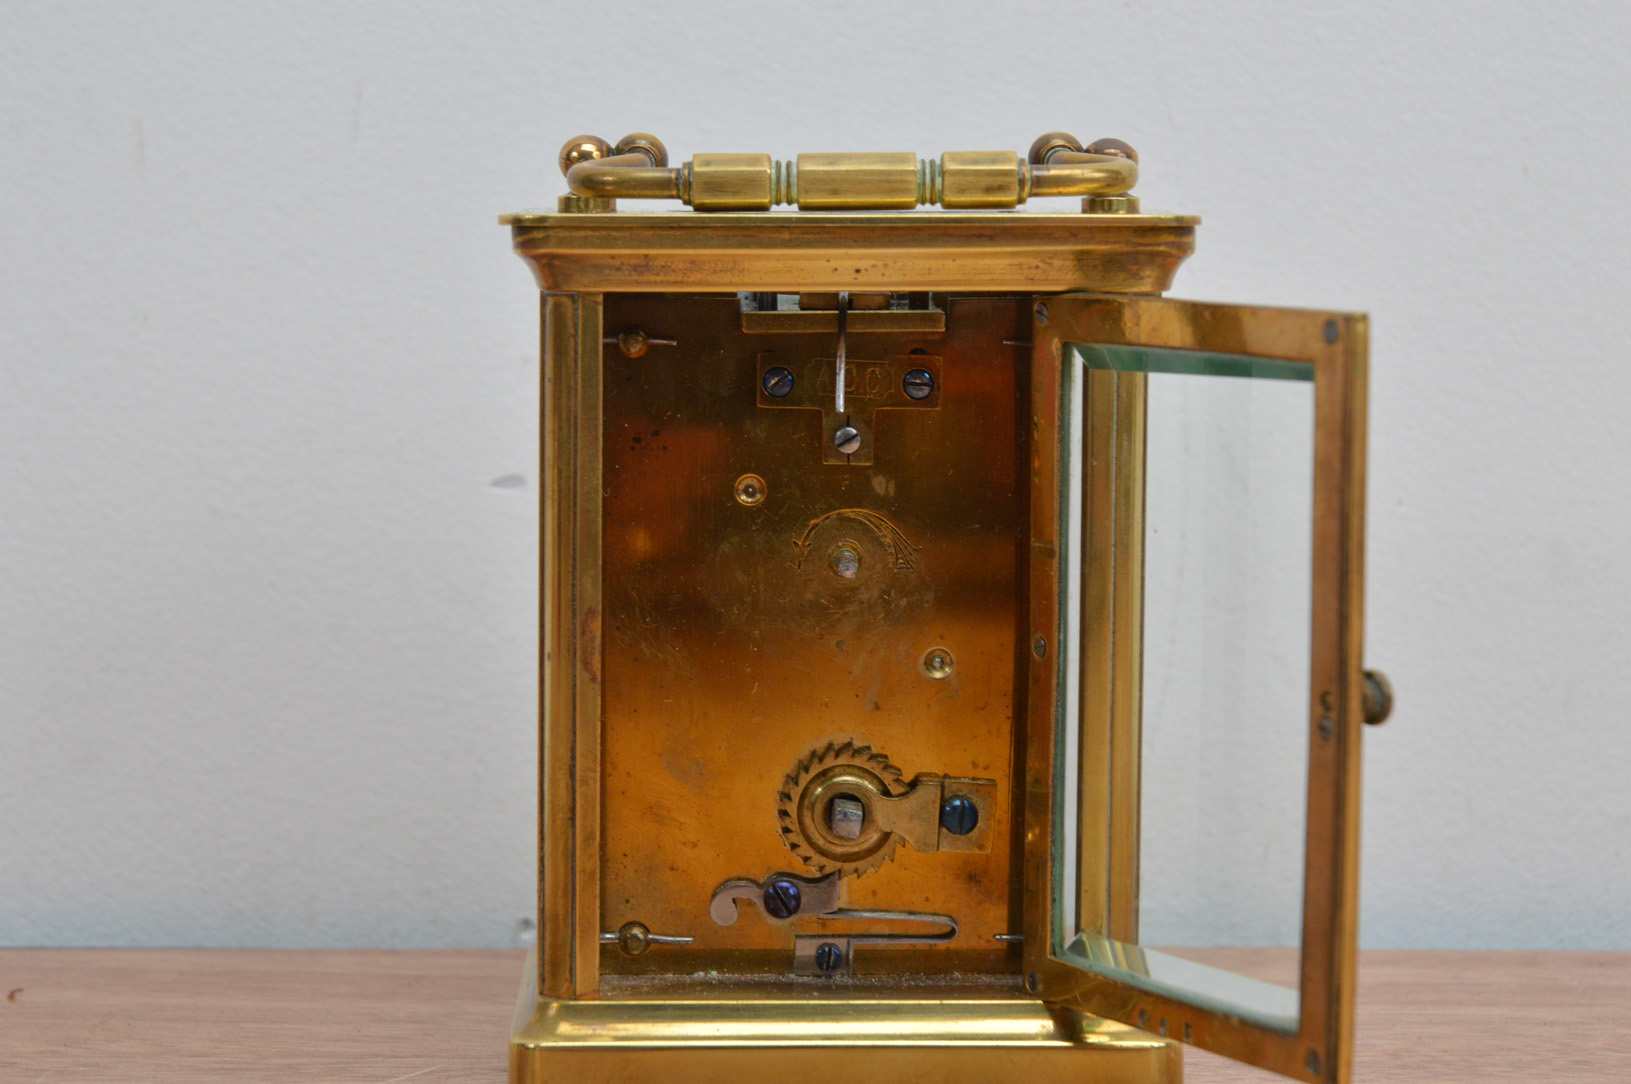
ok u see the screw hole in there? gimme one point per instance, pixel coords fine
(938, 663)
(750, 490)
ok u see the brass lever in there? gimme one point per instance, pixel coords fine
(637, 168)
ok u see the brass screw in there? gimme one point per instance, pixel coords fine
(751, 490)
(938, 663)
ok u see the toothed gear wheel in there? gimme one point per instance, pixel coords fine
(814, 780)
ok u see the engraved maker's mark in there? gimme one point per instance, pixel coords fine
(862, 379)
(902, 554)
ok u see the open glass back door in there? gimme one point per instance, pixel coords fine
(1194, 714)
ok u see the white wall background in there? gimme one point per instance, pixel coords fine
(268, 411)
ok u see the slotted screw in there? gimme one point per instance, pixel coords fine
(959, 815)
(778, 381)
(782, 899)
(829, 957)
(918, 384)
(847, 440)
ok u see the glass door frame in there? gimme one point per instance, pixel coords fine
(1111, 578)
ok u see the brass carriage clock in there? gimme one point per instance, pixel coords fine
(940, 630)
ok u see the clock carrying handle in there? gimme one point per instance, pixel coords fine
(599, 173)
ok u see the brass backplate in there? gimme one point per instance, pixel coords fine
(733, 642)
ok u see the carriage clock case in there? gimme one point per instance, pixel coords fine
(848, 553)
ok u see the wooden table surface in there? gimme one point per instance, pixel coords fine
(139, 1015)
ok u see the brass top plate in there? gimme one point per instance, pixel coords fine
(925, 217)
(895, 251)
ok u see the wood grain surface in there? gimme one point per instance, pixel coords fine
(141, 1015)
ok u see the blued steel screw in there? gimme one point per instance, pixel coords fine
(829, 957)
(782, 899)
(918, 384)
(778, 381)
(959, 815)
(847, 440)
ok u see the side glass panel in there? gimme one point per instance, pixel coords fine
(1226, 544)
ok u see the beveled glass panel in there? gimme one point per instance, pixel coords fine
(1225, 632)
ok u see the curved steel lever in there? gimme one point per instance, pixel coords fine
(948, 934)
(781, 897)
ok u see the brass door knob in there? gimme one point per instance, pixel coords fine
(1377, 697)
